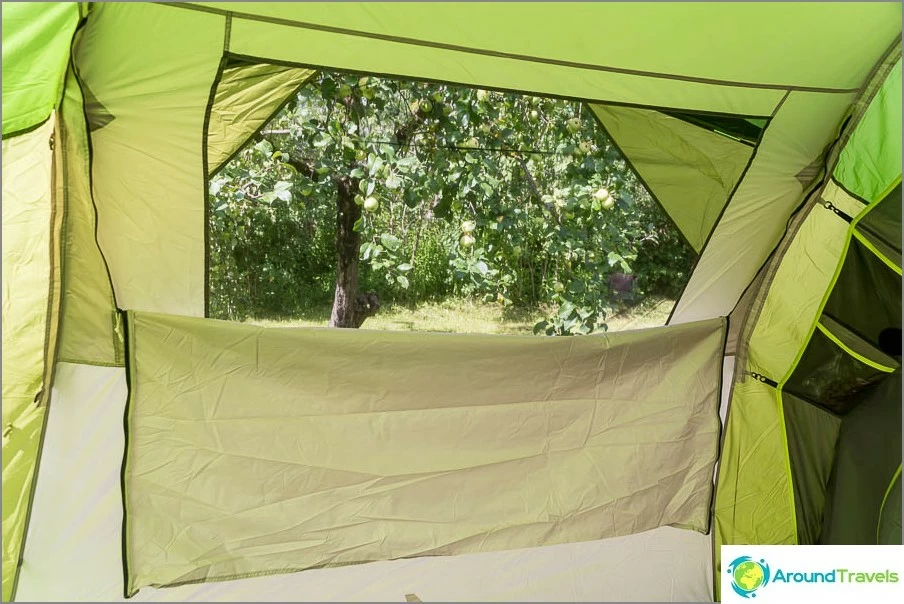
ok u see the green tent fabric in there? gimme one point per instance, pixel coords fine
(827, 272)
(36, 38)
(246, 97)
(871, 160)
(772, 143)
(548, 440)
(30, 297)
(690, 170)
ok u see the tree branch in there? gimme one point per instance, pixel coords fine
(530, 177)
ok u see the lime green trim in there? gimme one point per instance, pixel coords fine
(891, 483)
(852, 352)
(866, 242)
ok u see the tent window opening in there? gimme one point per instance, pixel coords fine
(392, 204)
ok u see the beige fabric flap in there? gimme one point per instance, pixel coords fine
(255, 451)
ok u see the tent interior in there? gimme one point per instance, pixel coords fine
(153, 453)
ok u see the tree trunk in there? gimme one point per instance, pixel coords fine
(348, 249)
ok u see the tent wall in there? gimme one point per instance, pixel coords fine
(31, 290)
(36, 38)
(151, 226)
(75, 552)
(159, 96)
(757, 472)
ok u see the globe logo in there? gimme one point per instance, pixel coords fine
(748, 575)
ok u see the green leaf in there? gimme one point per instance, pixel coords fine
(357, 173)
(370, 187)
(405, 267)
(391, 242)
(403, 281)
(359, 225)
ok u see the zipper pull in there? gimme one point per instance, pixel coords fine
(762, 378)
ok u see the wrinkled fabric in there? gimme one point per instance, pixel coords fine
(245, 98)
(36, 39)
(28, 279)
(691, 171)
(255, 450)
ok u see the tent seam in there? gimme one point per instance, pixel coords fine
(321, 67)
(504, 55)
(728, 201)
(205, 135)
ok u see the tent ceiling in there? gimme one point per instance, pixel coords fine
(725, 41)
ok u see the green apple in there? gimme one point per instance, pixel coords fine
(360, 154)
(471, 143)
(573, 125)
(601, 194)
(559, 287)
(482, 95)
(426, 106)
(344, 91)
(371, 204)
(585, 147)
(534, 116)
(468, 226)
(609, 203)
(484, 128)
(466, 241)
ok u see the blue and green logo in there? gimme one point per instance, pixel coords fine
(748, 575)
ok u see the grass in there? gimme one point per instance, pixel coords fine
(460, 316)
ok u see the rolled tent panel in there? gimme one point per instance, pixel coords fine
(871, 160)
(147, 164)
(545, 441)
(75, 552)
(691, 171)
(247, 96)
(36, 39)
(90, 330)
(31, 288)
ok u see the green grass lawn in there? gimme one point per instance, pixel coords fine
(458, 316)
